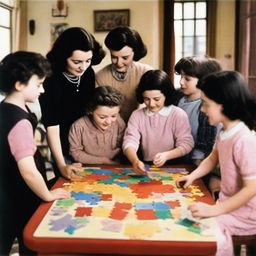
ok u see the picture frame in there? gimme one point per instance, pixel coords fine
(105, 20)
(60, 10)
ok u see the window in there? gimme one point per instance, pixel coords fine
(5, 30)
(190, 26)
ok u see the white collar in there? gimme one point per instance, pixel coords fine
(228, 133)
(165, 111)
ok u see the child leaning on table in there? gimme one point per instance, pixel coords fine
(22, 187)
(226, 99)
(97, 137)
(160, 129)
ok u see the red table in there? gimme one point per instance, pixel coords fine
(75, 246)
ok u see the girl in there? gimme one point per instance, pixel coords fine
(21, 185)
(97, 137)
(226, 99)
(68, 90)
(161, 129)
(126, 49)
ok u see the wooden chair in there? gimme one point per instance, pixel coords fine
(248, 241)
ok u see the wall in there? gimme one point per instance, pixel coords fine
(144, 17)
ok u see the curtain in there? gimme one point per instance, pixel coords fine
(169, 39)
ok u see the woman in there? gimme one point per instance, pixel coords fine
(124, 73)
(68, 90)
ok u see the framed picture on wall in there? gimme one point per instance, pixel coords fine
(105, 20)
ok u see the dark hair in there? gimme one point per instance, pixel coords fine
(229, 89)
(157, 80)
(105, 96)
(122, 36)
(197, 66)
(70, 40)
(21, 66)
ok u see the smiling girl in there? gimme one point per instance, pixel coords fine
(161, 129)
(97, 137)
(227, 100)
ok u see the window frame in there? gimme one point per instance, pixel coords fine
(10, 9)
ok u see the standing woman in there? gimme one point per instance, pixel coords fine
(67, 91)
(124, 73)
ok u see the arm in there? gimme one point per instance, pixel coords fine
(35, 181)
(204, 168)
(131, 143)
(53, 135)
(179, 124)
(133, 158)
(247, 192)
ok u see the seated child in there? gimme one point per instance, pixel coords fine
(191, 69)
(161, 129)
(22, 186)
(227, 100)
(97, 137)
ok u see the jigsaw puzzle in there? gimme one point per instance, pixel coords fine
(118, 204)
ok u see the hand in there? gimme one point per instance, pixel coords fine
(59, 193)
(139, 167)
(71, 169)
(184, 181)
(200, 210)
(160, 159)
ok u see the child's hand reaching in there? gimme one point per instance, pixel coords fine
(58, 193)
(184, 181)
(200, 210)
(139, 167)
(160, 159)
(70, 169)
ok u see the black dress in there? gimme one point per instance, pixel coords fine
(62, 103)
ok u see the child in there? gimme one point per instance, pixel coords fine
(97, 137)
(161, 129)
(191, 69)
(226, 99)
(21, 184)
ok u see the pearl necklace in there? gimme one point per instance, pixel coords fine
(73, 79)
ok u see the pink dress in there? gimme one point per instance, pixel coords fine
(237, 158)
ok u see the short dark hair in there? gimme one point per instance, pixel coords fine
(229, 89)
(21, 66)
(70, 40)
(157, 80)
(197, 66)
(105, 96)
(122, 36)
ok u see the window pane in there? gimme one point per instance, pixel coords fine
(178, 28)
(177, 11)
(201, 10)
(188, 46)
(200, 45)
(188, 28)
(188, 10)
(178, 47)
(201, 27)
(5, 42)
(5, 17)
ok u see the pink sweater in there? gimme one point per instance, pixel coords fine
(88, 144)
(158, 132)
